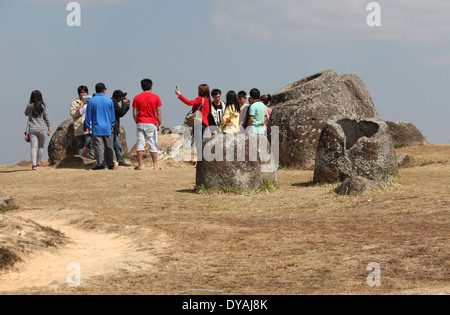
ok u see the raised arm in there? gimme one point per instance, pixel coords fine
(121, 110)
(196, 102)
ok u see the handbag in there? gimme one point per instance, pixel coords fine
(27, 137)
(192, 118)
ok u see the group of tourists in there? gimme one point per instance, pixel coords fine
(231, 116)
(96, 120)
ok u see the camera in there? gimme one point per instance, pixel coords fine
(86, 98)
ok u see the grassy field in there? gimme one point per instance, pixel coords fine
(301, 239)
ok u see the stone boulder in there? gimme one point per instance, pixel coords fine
(351, 147)
(405, 134)
(356, 185)
(302, 108)
(244, 161)
(169, 147)
(63, 143)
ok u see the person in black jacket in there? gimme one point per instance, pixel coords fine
(121, 107)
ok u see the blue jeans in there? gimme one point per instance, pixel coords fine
(85, 142)
(117, 148)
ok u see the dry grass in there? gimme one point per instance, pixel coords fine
(300, 239)
(426, 155)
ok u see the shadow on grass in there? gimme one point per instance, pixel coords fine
(187, 191)
(304, 185)
(16, 171)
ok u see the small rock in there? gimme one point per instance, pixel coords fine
(7, 202)
(403, 159)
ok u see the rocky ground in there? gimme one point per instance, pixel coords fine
(127, 232)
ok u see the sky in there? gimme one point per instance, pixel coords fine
(228, 44)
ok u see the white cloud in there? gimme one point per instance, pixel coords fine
(315, 21)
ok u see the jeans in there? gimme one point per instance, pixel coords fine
(88, 144)
(117, 148)
(82, 142)
(37, 146)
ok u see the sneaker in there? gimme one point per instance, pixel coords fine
(111, 167)
(34, 167)
(39, 165)
(124, 164)
(99, 167)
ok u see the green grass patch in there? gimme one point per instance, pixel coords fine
(234, 189)
(8, 206)
(268, 187)
(283, 165)
(204, 190)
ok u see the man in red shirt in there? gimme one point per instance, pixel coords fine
(147, 115)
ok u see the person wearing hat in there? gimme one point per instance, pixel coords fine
(100, 120)
(121, 107)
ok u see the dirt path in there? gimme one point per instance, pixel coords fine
(87, 254)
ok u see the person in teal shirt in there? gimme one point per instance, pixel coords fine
(257, 113)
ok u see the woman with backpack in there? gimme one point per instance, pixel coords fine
(38, 127)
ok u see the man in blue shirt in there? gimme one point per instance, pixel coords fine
(100, 119)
